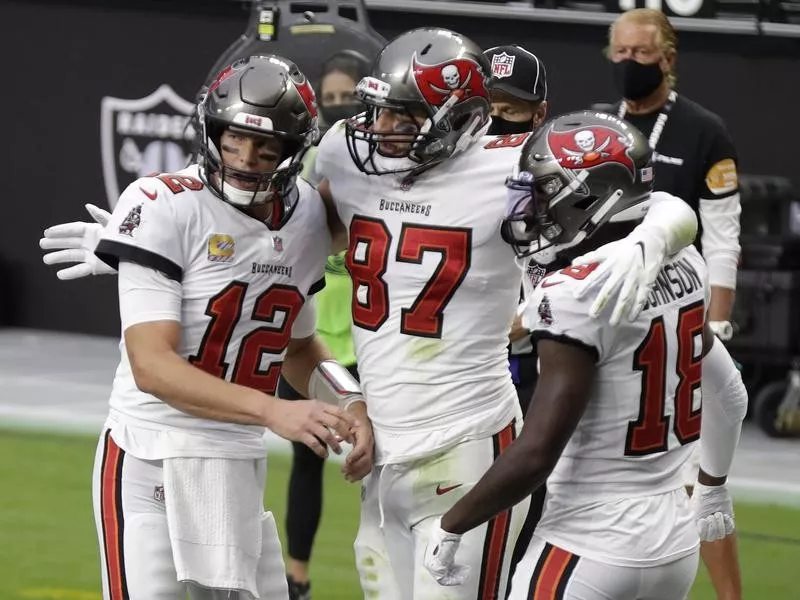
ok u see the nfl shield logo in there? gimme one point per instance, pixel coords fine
(503, 65)
(277, 243)
(139, 137)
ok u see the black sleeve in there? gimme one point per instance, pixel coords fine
(111, 253)
(317, 286)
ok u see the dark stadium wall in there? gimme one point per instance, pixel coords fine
(62, 60)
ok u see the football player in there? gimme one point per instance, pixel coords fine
(616, 411)
(218, 266)
(418, 190)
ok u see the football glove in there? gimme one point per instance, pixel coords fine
(440, 556)
(75, 243)
(713, 512)
(627, 269)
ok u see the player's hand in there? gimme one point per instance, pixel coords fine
(627, 269)
(713, 512)
(75, 243)
(440, 554)
(316, 424)
(360, 460)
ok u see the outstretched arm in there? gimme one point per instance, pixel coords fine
(629, 266)
(562, 393)
(75, 243)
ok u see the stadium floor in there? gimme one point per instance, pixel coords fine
(60, 382)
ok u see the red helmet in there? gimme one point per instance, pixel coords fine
(430, 71)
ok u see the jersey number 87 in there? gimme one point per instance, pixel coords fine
(424, 317)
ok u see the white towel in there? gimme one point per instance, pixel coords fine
(214, 513)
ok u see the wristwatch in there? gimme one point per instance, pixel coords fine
(722, 329)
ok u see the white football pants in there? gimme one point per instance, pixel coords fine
(400, 503)
(135, 549)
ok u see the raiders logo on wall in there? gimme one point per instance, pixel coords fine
(139, 137)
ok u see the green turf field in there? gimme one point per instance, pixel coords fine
(48, 547)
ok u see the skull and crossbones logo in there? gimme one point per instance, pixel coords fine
(451, 76)
(460, 78)
(587, 144)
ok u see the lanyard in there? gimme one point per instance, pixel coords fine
(661, 121)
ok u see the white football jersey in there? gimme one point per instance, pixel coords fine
(243, 284)
(435, 289)
(616, 494)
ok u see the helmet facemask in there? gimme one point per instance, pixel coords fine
(253, 189)
(551, 214)
(443, 132)
(581, 171)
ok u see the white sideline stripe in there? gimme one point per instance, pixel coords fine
(61, 419)
(54, 382)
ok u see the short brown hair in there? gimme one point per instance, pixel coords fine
(668, 37)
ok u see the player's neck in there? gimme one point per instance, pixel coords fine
(649, 103)
(262, 212)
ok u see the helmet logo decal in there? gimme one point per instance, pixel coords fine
(588, 147)
(307, 94)
(438, 82)
(225, 73)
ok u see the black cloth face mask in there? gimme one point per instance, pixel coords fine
(505, 127)
(635, 80)
(331, 114)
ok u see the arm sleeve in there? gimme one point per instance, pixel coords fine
(144, 231)
(671, 219)
(724, 409)
(720, 210)
(147, 295)
(306, 322)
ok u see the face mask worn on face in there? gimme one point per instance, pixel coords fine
(635, 80)
(332, 114)
(505, 127)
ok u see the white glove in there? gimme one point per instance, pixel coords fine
(713, 511)
(440, 556)
(628, 268)
(75, 243)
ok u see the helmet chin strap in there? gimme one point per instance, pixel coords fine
(243, 198)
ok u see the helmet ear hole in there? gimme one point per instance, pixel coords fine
(585, 203)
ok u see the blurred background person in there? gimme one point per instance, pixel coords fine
(336, 91)
(519, 91)
(519, 105)
(694, 157)
(340, 74)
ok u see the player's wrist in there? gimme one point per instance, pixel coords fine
(355, 405)
(722, 329)
(705, 480)
(448, 527)
(268, 407)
